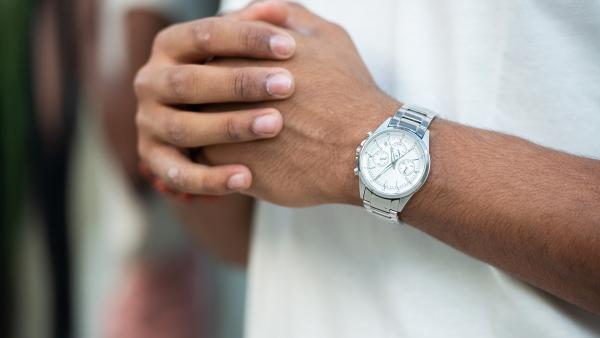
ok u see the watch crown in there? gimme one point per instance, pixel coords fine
(358, 149)
(356, 171)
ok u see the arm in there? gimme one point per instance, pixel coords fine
(529, 210)
(221, 227)
(211, 224)
(526, 209)
(221, 233)
(496, 197)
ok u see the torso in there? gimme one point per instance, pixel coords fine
(528, 68)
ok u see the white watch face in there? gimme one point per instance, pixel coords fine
(394, 163)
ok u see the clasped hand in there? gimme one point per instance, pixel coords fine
(269, 101)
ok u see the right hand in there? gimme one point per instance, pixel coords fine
(173, 79)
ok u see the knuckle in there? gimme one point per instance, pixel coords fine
(242, 84)
(174, 130)
(253, 38)
(159, 40)
(203, 31)
(140, 119)
(141, 82)
(175, 178)
(232, 132)
(178, 83)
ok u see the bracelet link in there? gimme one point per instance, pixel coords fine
(416, 120)
(413, 118)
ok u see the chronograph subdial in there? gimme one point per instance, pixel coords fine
(381, 158)
(406, 167)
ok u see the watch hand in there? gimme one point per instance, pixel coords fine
(383, 171)
(391, 164)
(406, 153)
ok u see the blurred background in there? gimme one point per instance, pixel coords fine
(89, 249)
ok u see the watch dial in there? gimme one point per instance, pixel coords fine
(393, 162)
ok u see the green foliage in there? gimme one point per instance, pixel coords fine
(15, 107)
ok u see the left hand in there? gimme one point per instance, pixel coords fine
(336, 102)
(172, 82)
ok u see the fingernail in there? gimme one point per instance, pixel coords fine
(267, 124)
(279, 84)
(237, 182)
(282, 45)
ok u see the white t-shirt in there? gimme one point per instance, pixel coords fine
(529, 68)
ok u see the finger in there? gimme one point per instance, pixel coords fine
(200, 84)
(162, 187)
(192, 129)
(272, 11)
(182, 175)
(301, 20)
(165, 190)
(200, 39)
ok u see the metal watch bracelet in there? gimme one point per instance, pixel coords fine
(417, 120)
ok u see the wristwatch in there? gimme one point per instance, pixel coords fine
(392, 163)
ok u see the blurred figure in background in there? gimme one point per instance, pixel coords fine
(167, 288)
(158, 294)
(51, 33)
(118, 264)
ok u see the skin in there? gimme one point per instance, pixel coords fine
(168, 84)
(223, 233)
(118, 102)
(479, 197)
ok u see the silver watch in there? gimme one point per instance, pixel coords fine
(392, 163)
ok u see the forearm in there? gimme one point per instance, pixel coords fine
(221, 227)
(526, 209)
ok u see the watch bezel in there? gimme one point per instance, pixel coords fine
(417, 186)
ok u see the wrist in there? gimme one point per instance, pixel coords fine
(380, 108)
(442, 142)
